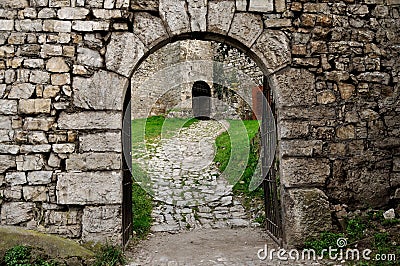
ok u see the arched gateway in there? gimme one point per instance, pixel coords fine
(219, 21)
(65, 71)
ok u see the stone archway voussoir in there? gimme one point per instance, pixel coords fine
(174, 14)
(246, 28)
(150, 29)
(272, 47)
(220, 16)
(123, 53)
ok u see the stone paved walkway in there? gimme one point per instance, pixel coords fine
(185, 183)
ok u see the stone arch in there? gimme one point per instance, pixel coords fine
(269, 48)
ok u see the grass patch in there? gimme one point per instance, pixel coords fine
(248, 139)
(110, 256)
(142, 206)
(151, 128)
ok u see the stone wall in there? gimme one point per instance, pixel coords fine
(65, 66)
(229, 80)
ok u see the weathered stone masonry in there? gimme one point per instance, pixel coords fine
(65, 66)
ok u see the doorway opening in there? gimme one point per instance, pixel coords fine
(167, 166)
(201, 100)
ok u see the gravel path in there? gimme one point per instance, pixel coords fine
(185, 183)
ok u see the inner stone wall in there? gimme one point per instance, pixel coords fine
(232, 75)
(65, 66)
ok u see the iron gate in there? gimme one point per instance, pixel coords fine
(127, 170)
(273, 221)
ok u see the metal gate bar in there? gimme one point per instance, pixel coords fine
(273, 221)
(127, 170)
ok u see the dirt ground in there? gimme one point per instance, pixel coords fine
(238, 246)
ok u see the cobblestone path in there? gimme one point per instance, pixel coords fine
(185, 183)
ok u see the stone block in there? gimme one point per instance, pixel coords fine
(302, 171)
(35, 194)
(261, 5)
(57, 65)
(277, 23)
(246, 28)
(89, 57)
(39, 177)
(307, 213)
(93, 161)
(13, 193)
(90, 120)
(6, 162)
(5, 122)
(102, 223)
(241, 5)
(346, 90)
(103, 91)
(34, 106)
(123, 53)
(8, 107)
(39, 77)
(21, 91)
(145, 5)
(175, 15)
(89, 26)
(294, 87)
(64, 148)
(57, 26)
(16, 178)
(220, 15)
(101, 142)
(51, 91)
(41, 148)
(72, 13)
(6, 25)
(89, 188)
(43, 123)
(198, 15)
(60, 79)
(107, 13)
(272, 47)
(59, 3)
(29, 162)
(296, 147)
(293, 129)
(149, 29)
(316, 8)
(6, 135)
(359, 188)
(29, 25)
(345, 132)
(280, 5)
(13, 213)
(9, 149)
(326, 97)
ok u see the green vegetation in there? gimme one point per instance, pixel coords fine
(247, 140)
(326, 240)
(110, 256)
(367, 231)
(22, 256)
(151, 128)
(142, 206)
